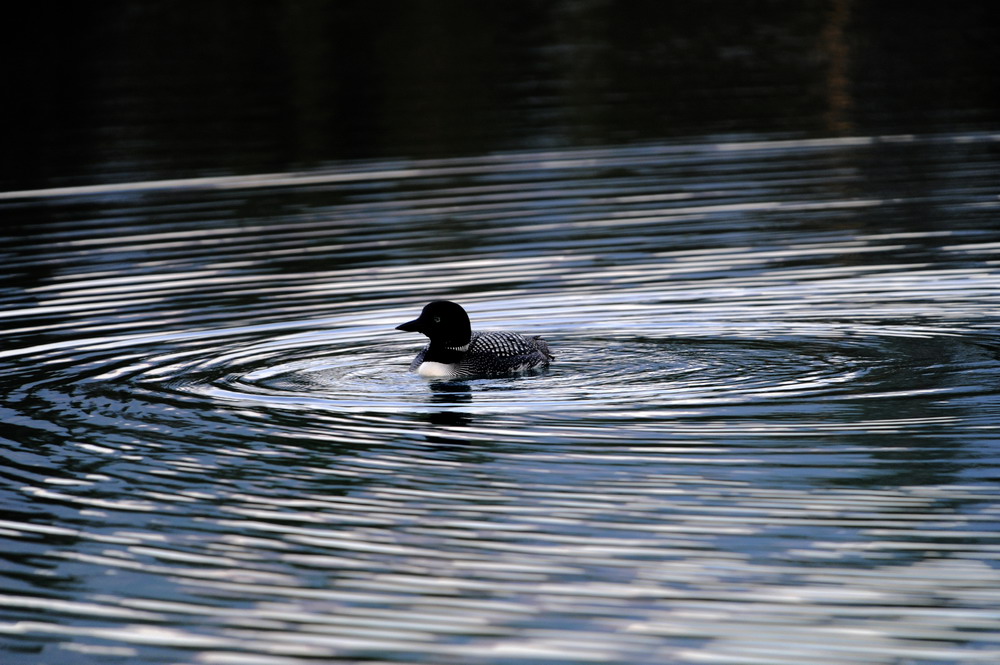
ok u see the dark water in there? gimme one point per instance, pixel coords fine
(771, 433)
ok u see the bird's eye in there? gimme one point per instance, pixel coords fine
(437, 319)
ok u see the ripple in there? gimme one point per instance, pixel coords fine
(645, 357)
(769, 432)
(358, 368)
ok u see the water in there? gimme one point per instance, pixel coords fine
(770, 434)
(762, 243)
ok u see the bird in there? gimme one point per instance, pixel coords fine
(456, 351)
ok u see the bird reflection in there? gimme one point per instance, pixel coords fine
(449, 393)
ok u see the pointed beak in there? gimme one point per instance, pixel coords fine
(410, 326)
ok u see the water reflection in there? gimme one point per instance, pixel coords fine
(308, 84)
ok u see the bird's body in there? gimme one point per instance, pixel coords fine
(456, 352)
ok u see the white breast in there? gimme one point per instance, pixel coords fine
(433, 370)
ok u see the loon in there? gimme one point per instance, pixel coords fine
(456, 352)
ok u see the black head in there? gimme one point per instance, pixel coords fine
(442, 321)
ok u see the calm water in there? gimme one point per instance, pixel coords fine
(763, 243)
(772, 432)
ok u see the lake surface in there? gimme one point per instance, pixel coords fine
(770, 433)
(763, 244)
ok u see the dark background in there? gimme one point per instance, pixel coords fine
(130, 91)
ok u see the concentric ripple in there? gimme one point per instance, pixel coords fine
(363, 368)
(769, 434)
